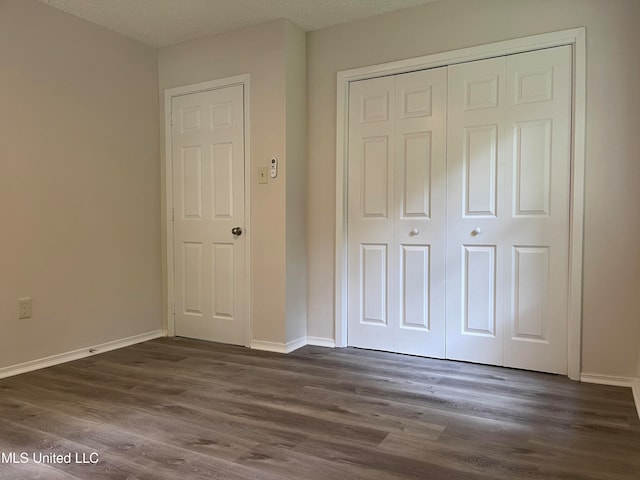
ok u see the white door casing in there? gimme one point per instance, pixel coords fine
(397, 213)
(209, 291)
(575, 38)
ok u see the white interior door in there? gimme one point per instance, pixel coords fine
(396, 216)
(508, 210)
(208, 200)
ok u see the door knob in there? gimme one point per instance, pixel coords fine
(476, 231)
(237, 231)
(414, 232)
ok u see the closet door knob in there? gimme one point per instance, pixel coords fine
(476, 231)
(414, 232)
(236, 231)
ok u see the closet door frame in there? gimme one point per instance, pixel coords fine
(577, 39)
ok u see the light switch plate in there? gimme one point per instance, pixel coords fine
(24, 306)
(263, 174)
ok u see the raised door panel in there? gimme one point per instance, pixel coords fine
(191, 174)
(190, 118)
(192, 278)
(417, 100)
(375, 107)
(373, 293)
(375, 177)
(223, 281)
(530, 290)
(532, 161)
(479, 291)
(415, 282)
(480, 170)
(222, 184)
(481, 92)
(221, 115)
(533, 85)
(416, 156)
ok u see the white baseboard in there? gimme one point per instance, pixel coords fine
(78, 354)
(268, 346)
(629, 382)
(607, 380)
(292, 345)
(278, 347)
(296, 344)
(321, 342)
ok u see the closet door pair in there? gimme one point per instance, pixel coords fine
(458, 211)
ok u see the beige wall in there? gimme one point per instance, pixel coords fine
(79, 184)
(296, 171)
(262, 51)
(80, 181)
(611, 324)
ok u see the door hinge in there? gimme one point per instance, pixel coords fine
(171, 118)
(173, 308)
(173, 215)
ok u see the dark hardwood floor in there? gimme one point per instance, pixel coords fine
(184, 409)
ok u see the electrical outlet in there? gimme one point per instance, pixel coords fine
(262, 174)
(24, 308)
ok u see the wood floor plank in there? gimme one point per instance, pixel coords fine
(283, 461)
(298, 401)
(183, 417)
(180, 408)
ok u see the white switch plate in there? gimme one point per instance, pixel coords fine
(263, 174)
(24, 307)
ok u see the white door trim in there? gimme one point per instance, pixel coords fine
(574, 37)
(169, 94)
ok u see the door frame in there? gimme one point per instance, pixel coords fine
(169, 94)
(575, 37)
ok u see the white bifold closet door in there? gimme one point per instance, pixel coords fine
(396, 213)
(458, 211)
(508, 162)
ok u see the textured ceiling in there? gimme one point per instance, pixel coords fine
(165, 22)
